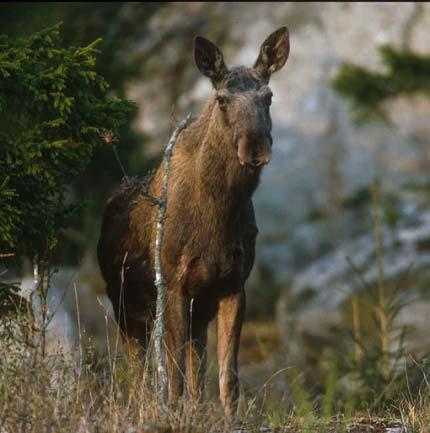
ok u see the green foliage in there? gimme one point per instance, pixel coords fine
(406, 73)
(53, 105)
(10, 300)
(360, 197)
(329, 396)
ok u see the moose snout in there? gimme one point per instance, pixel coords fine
(255, 152)
(263, 160)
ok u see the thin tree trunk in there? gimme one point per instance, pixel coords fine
(159, 280)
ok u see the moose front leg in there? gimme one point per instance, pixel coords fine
(229, 324)
(195, 358)
(176, 326)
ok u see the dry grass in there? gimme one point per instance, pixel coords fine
(57, 394)
(60, 393)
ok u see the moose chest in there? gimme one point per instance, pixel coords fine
(212, 270)
(209, 255)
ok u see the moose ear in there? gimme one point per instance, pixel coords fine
(273, 53)
(209, 59)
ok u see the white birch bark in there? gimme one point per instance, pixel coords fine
(159, 280)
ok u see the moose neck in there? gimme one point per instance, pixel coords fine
(221, 177)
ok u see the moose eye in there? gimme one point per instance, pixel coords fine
(222, 101)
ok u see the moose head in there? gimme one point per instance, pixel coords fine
(243, 94)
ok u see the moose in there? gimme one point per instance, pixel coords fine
(208, 247)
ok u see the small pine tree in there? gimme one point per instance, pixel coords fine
(406, 74)
(53, 106)
(377, 365)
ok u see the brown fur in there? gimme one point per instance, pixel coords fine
(209, 233)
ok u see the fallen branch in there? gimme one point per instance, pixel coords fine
(159, 281)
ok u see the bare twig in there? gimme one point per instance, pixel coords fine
(409, 25)
(110, 138)
(115, 151)
(78, 316)
(159, 281)
(173, 115)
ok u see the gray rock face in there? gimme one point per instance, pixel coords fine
(320, 289)
(332, 278)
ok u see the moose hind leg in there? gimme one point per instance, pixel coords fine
(135, 333)
(229, 324)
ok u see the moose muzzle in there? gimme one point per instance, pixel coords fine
(254, 151)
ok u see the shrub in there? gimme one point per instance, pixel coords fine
(53, 105)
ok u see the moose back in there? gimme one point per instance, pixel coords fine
(209, 233)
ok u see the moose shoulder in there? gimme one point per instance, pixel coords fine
(209, 238)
